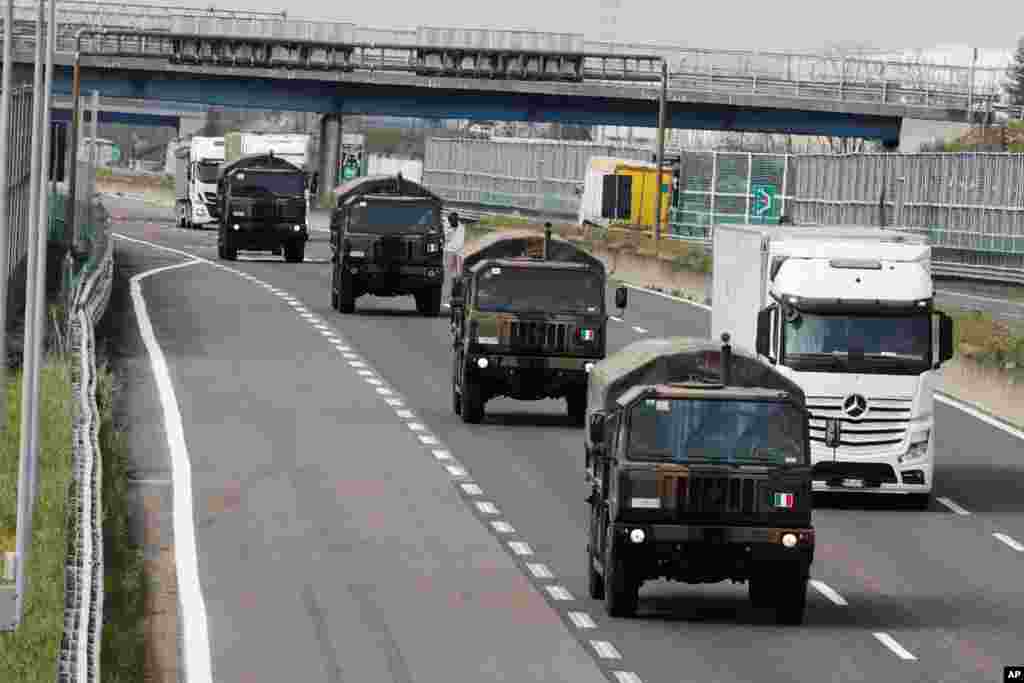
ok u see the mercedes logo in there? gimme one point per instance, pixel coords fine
(855, 405)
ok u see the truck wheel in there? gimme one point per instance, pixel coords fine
(595, 583)
(621, 591)
(472, 402)
(792, 602)
(428, 302)
(758, 590)
(346, 302)
(577, 403)
(295, 252)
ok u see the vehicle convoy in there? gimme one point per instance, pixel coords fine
(387, 241)
(697, 457)
(847, 313)
(528, 320)
(197, 164)
(264, 206)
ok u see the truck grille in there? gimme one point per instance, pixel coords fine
(388, 250)
(263, 212)
(884, 424)
(716, 494)
(538, 335)
(290, 210)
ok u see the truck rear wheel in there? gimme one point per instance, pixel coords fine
(621, 589)
(346, 302)
(577, 404)
(295, 252)
(428, 301)
(595, 582)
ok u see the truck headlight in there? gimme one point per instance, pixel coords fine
(298, 228)
(918, 446)
(481, 363)
(588, 367)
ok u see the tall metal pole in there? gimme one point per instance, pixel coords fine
(76, 114)
(661, 149)
(5, 209)
(27, 463)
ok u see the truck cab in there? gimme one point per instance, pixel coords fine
(529, 322)
(699, 466)
(846, 312)
(263, 204)
(197, 169)
(387, 241)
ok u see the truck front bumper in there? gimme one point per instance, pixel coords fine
(264, 236)
(889, 472)
(404, 278)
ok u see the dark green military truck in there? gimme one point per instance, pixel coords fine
(262, 208)
(698, 459)
(528, 321)
(387, 240)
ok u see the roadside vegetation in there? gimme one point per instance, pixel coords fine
(29, 655)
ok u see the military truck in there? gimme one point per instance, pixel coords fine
(387, 241)
(528, 322)
(262, 201)
(698, 460)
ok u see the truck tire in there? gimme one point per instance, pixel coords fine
(428, 301)
(576, 400)
(595, 583)
(295, 252)
(792, 601)
(472, 402)
(621, 590)
(346, 302)
(230, 252)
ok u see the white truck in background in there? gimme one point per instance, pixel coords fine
(292, 147)
(197, 162)
(385, 164)
(847, 313)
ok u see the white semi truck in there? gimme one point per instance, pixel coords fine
(847, 313)
(197, 162)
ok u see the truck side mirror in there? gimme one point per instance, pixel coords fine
(621, 297)
(946, 343)
(765, 318)
(597, 432)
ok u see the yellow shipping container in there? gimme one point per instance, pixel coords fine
(644, 198)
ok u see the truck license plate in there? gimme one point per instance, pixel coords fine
(853, 483)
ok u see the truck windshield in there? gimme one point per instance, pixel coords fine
(868, 342)
(393, 219)
(207, 173)
(732, 432)
(256, 183)
(541, 290)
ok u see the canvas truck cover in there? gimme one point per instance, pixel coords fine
(507, 246)
(255, 162)
(381, 185)
(675, 359)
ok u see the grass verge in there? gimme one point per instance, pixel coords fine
(988, 342)
(125, 584)
(30, 653)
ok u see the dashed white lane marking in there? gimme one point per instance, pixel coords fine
(503, 527)
(445, 455)
(383, 391)
(539, 570)
(615, 318)
(829, 593)
(520, 548)
(581, 620)
(953, 506)
(639, 330)
(559, 593)
(394, 402)
(373, 381)
(605, 650)
(897, 649)
(404, 414)
(1010, 542)
(415, 426)
(365, 373)
(357, 363)
(429, 440)
(626, 677)
(487, 507)
(455, 471)
(471, 489)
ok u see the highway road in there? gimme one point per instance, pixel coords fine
(900, 596)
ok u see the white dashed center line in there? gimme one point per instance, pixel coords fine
(605, 650)
(829, 593)
(582, 620)
(626, 677)
(405, 414)
(615, 318)
(953, 506)
(486, 507)
(520, 548)
(540, 571)
(897, 649)
(470, 489)
(1010, 542)
(639, 329)
(445, 455)
(503, 527)
(559, 593)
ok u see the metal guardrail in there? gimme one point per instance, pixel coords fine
(964, 271)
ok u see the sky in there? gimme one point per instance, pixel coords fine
(736, 24)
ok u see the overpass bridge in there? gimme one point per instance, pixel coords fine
(136, 112)
(262, 60)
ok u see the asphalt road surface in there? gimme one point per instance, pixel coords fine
(900, 595)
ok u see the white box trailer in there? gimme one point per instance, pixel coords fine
(293, 147)
(847, 313)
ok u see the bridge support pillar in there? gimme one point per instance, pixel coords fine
(330, 146)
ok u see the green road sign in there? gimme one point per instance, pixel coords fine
(115, 153)
(762, 202)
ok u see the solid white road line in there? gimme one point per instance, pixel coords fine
(897, 649)
(953, 506)
(198, 666)
(829, 593)
(1010, 542)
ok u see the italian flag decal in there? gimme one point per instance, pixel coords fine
(782, 500)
